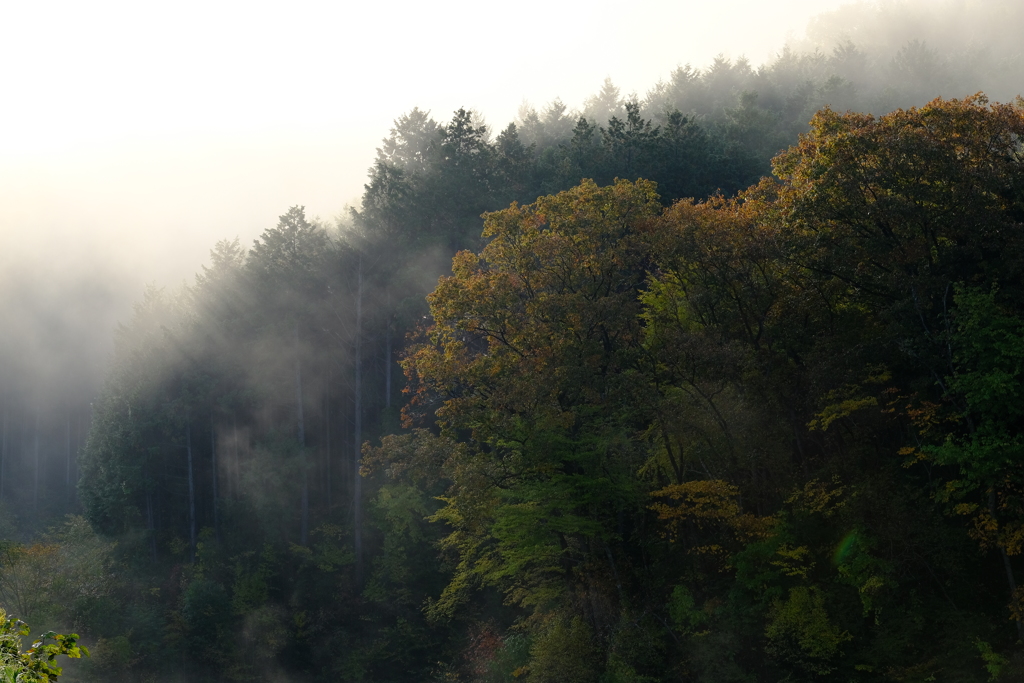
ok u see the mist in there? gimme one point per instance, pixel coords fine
(126, 194)
(218, 230)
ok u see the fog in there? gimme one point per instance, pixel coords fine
(952, 26)
(133, 138)
(143, 135)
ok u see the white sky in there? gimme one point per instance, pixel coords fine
(140, 133)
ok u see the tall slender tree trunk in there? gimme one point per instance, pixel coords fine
(238, 462)
(216, 474)
(327, 438)
(304, 532)
(150, 526)
(35, 457)
(191, 490)
(3, 455)
(67, 468)
(387, 356)
(1011, 581)
(80, 422)
(357, 480)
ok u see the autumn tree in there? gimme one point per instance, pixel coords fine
(528, 360)
(918, 214)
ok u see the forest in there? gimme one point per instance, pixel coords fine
(720, 384)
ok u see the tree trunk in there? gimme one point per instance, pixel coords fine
(35, 457)
(357, 480)
(327, 438)
(213, 458)
(304, 531)
(150, 527)
(3, 455)
(387, 357)
(67, 469)
(191, 491)
(1011, 581)
(74, 460)
(237, 484)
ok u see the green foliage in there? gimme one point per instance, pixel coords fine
(682, 609)
(511, 660)
(56, 578)
(205, 610)
(800, 632)
(112, 658)
(864, 570)
(988, 343)
(251, 588)
(38, 664)
(994, 662)
(564, 652)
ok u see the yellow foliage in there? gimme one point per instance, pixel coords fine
(794, 561)
(913, 455)
(1017, 604)
(702, 500)
(706, 503)
(818, 497)
(924, 415)
(844, 402)
(985, 527)
(835, 411)
(1012, 538)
